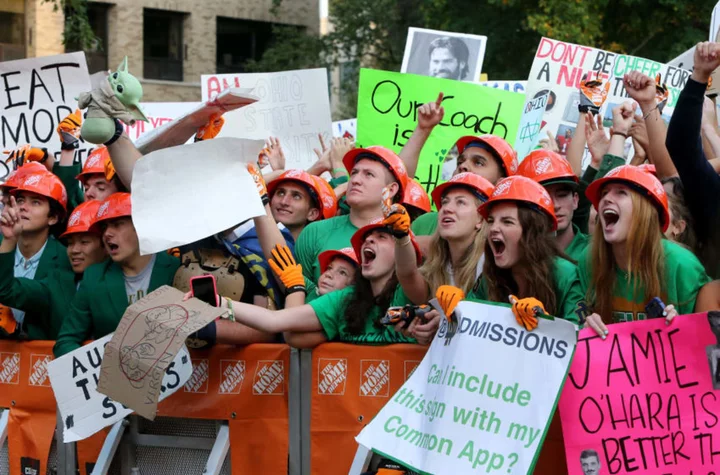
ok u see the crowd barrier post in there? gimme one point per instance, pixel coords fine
(109, 448)
(4, 418)
(294, 414)
(305, 410)
(66, 457)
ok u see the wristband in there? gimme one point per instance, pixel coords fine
(118, 132)
(341, 171)
(231, 312)
(615, 132)
(585, 108)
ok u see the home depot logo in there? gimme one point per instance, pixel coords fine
(410, 367)
(198, 382)
(232, 376)
(269, 377)
(9, 368)
(38, 370)
(332, 376)
(375, 378)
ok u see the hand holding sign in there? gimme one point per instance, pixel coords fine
(430, 114)
(69, 131)
(259, 182)
(396, 217)
(526, 311)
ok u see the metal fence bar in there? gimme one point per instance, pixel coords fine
(219, 451)
(306, 374)
(4, 418)
(109, 448)
(66, 459)
(294, 415)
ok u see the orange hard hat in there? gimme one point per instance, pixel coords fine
(326, 197)
(82, 218)
(547, 167)
(358, 238)
(385, 156)
(19, 175)
(44, 184)
(523, 189)
(117, 205)
(416, 197)
(639, 180)
(477, 184)
(322, 194)
(649, 168)
(98, 163)
(326, 257)
(503, 150)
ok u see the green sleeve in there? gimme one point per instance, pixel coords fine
(583, 271)
(608, 163)
(306, 251)
(343, 207)
(582, 213)
(67, 175)
(425, 225)
(330, 310)
(310, 290)
(28, 295)
(685, 276)
(77, 325)
(479, 291)
(589, 174)
(568, 292)
(335, 182)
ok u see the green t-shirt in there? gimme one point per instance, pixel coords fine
(328, 234)
(330, 310)
(684, 276)
(568, 292)
(426, 224)
(578, 244)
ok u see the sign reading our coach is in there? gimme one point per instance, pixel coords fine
(642, 401)
(36, 94)
(387, 115)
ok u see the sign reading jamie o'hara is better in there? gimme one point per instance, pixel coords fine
(480, 404)
(646, 400)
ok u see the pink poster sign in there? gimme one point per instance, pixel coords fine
(646, 400)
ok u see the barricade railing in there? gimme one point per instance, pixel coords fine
(271, 408)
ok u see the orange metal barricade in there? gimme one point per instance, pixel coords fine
(350, 384)
(246, 386)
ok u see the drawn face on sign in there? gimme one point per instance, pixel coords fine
(590, 465)
(714, 319)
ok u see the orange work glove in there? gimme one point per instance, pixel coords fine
(211, 129)
(259, 182)
(661, 93)
(593, 94)
(286, 269)
(526, 311)
(69, 131)
(449, 296)
(7, 321)
(109, 170)
(26, 153)
(396, 216)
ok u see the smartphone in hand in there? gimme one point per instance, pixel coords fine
(203, 287)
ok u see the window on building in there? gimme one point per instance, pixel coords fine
(96, 55)
(163, 45)
(239, 41)
(12, 35)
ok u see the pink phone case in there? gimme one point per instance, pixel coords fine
(204, 277)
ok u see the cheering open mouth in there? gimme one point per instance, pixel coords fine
(368, 256)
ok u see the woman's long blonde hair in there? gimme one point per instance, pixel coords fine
(435, 271)
(646, 262)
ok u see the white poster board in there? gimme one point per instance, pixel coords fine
(294, 106)
(345, 128)
(37, 94)
(444, 54)
(85, 411)
(558, 69)
(186, 193)
(158, 114)
(512, 86)
(530, 124)
(473, 405)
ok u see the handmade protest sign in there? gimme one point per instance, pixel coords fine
(345, 128)
(514, 86)
(210, 187)
(37, 94)
(387, 115)
(84, 410)
(481, 403)
(294, 106)
(158, 114)
(559, 68)
(530, 125)
(642, 401)
(148, 338)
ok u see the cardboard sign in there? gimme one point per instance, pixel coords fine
(444, 54)
(559, 67)
(37, 94)
(513, 86)
(84, 410)
(147, 339)
(345, 128)
(481, 403)
(643, 400)
(387, 115)
(210, 187)
(530, 125)
(294, 106)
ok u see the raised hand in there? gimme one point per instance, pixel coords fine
(69, 131)
(259, 182)
(10, 223)
(211, 129)
(286, 269)
(395, 215)
(430, 114)
(706, 60)
(641, 88)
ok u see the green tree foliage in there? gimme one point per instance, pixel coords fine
(373, 33)
(78, 34)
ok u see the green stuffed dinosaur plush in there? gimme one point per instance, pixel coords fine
(116, 98)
